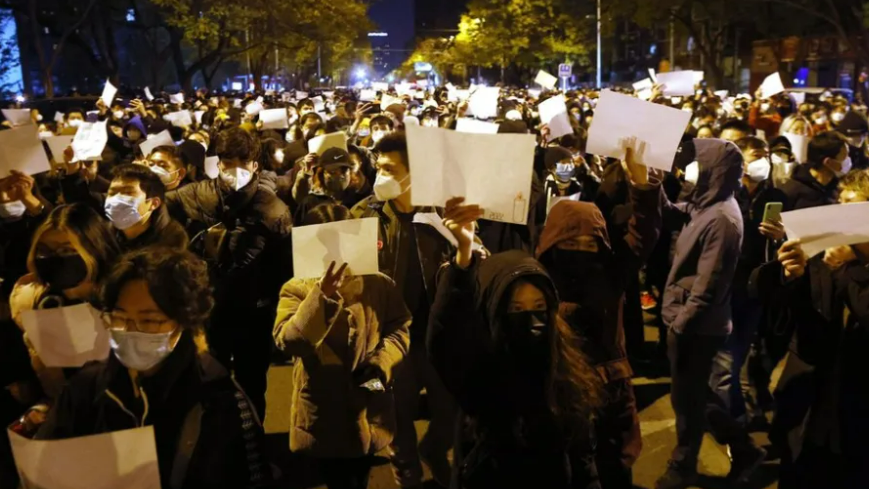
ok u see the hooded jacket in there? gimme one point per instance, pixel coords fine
(139, 124)
(803, 191)
(466, 347)
(699, 286)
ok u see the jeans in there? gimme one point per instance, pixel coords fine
(413, 374)
(691, 358)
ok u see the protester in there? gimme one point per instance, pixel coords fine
(344, 331)
(526, 394)
(814, 183)
(160, 374)
(324, 183)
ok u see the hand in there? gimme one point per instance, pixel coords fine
(367, 372)
(793, 259)
(362, 110)
(638, 173)
(774, 230)
(758, 95)
(460, 219)
(462, 109)
(309, 162)
(657, 91)
(89, 170)
(544, 134)
(71, 167)
(332, 280)
(101, 106)
(835, 258)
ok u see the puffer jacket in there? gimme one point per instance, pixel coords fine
(331, 338)
(700, 284)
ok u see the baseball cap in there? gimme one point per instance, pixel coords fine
(335, 157)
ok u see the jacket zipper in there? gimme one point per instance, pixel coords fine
(139, 422)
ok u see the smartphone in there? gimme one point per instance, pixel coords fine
(772, 213)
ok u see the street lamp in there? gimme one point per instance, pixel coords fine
(360, 72)
(598, 47)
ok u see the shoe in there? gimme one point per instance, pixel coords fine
(745, 461)
(648, 301)
(679, 475)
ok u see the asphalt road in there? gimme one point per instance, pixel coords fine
(657, 424)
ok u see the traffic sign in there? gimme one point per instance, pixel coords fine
(565, 70)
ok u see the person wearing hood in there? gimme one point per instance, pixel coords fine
(697, 306)
(814, 183)
(327, 180)
(161, 375)
(591, 274)
(134, 131)
(243, 230)
(855, 128)
(525, 391)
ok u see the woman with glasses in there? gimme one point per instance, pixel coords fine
(160, 374)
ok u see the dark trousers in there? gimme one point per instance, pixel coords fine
(691, 359)
(243, 343)
(617, 433)
(346, 473)
(414, 373)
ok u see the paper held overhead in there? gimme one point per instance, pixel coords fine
(652, 75)
(466, 124)
(772, 85)
(301, 95)
(446, 164)
(253, 108)
(553, 112)
(643, 84)
(90, 140)
(21, 150)
(163, 138)
(829, 226)
(320, 144)
(387, 101)
(353, 242)
(799, 146)
(319, 104)
(483, 103)
(148, 94)
(177, 98)
(677, 83)
(17, 117)
(179, 119)
(546, 80)
(380, 86)
(274, 119)
(57, 145)
(109, 92)
(367, 95)
(67, 336)
(653, 131)
(110, 460)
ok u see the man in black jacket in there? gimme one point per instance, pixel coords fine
(814, 183)
(243, 230)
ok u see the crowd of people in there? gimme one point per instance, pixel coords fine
(521, 336)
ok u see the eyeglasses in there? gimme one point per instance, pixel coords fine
(116, 322)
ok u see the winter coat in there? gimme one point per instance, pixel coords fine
(756, 248)
(331, 338)
(190, 389)
(803, 191)
(499, 405)
(699, 286)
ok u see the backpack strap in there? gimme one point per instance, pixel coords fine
(186, 445)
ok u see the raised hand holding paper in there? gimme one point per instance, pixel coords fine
(148, 94)
(21, 150)
(67, 336)
(57, 145)
(546, 80)
(109, 92)
(17, 117)
(660, 128)
(90, 140)
(553, 112)
(772, 85)
(177, 98)
(828, 226)
(677, 83)
(387, 100)
(163, 138)
(483, 103)
(353, 242)
(179, 119)
(274, 119)
(446, 164)
(320, 144)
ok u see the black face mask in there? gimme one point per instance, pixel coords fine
(336, 185)
(525, 332)
(61, 272)
(580, 275)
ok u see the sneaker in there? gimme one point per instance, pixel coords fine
(678, 476)
(648, 301)
(745, 461)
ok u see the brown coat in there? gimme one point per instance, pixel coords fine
(368, 324)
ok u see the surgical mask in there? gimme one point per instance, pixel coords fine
(236, 178)
(837, 117)
(290, 137)
(764, 107)
(12, 210)
(140, 351)
(123, 211)
(38, 117)
(363, 133)
(279, 156)
(119, 114)
(692, 172)
(75, 123)
(165, 175)
(45, 135)
(378, 135)
(758, 170)
(564, 172)
(387, 187)
(846, 167)
(61, 272)
(821, 120)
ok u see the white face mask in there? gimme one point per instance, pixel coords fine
(821, 120)
(692, 172)
(837, 117)
(123, 211)
(38, 117)
(119, 114)
(378, 135)
(846, 167)
(279, 156)
(758, 170)
(387, 187)
(165, 175)
(363, 133)
(140, 351)
(290, 137)
(75, 123)
(12, 210)
(764, 107)
(236, 178)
